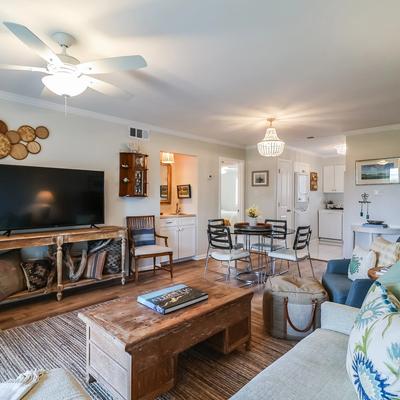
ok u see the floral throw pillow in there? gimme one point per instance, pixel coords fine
(373, 354)
(361, 261)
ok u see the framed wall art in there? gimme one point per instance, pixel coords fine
(313, 181)
(260, 178)
(380, 171)
(184, 191)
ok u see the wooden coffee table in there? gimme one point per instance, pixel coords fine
(133, 351)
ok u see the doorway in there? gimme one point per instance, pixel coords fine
(231, 189)
(284, 199)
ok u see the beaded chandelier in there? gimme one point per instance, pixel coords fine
(271, 145)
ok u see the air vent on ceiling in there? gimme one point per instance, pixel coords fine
(143, 134)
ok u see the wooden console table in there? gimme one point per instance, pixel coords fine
(58, 238)
(133, 351)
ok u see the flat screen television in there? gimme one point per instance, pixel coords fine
(36, 197)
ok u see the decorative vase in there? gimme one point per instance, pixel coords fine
(253, 221)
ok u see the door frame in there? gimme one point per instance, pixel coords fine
(278, 179)
(241, 184)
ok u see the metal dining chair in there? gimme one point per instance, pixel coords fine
(278, 232)
(300, 250)
(221, 248)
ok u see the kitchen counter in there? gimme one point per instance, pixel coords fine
(164, 216)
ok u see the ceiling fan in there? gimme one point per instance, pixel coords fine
(65, 75)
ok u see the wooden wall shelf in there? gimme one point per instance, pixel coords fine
(133, 175)
(58, 238)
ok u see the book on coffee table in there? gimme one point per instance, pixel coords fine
(172, 298)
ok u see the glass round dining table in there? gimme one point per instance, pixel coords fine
(265, 237)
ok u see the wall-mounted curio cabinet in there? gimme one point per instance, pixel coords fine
(133, 175)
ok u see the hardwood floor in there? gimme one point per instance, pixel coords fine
(34, 310)
(202, 372)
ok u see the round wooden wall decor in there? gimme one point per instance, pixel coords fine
(3, 127)
(42, 132)
(5, 146)
(27, 133)
(13, 137)
(19, 151)
(34, 147)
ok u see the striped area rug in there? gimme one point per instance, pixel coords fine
(203, 374)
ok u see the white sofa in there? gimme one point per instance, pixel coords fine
(315, 369)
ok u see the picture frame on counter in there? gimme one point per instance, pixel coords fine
(379, 171)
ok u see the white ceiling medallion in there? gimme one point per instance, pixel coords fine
(341, 149)
(271, 145)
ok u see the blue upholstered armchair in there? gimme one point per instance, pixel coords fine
(340, 288)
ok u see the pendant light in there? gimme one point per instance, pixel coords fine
(167, 158)
(271, 145)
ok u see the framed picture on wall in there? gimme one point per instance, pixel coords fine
(381, 171)
(313, 181)
(184, 191)
(260, 178)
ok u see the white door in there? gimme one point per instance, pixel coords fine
(231, 189)
(285, 192)
(339, 178)
(173, 240)
(187, 241)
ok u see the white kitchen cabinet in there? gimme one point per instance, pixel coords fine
(333, 178)
(173, 239)
(339, 178)
(330, 224)
(181, 233)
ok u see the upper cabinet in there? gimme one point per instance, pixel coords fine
(334, 178)
(133, 175)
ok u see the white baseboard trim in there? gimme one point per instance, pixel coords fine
(200, 257)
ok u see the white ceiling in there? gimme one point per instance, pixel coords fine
(218, 68)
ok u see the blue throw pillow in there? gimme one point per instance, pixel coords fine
(143, 237)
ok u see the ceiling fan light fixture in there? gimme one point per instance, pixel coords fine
(65, 84)
(271, 145)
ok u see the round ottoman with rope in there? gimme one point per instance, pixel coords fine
(292, 306)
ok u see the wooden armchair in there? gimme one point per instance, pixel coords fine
(142, 244)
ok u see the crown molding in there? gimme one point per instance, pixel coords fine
(40, 103)
(375, 129)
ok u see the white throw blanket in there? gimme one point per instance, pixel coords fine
(16, 389)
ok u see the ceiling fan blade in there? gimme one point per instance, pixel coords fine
(33, 42)
(114, 64)
(23, 68)
(106, 88)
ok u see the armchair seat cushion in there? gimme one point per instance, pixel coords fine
(288, 254)
(151, 249)
(338, 287)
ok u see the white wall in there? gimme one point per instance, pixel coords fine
(385, 198)
(265, 197)
(87, 143)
